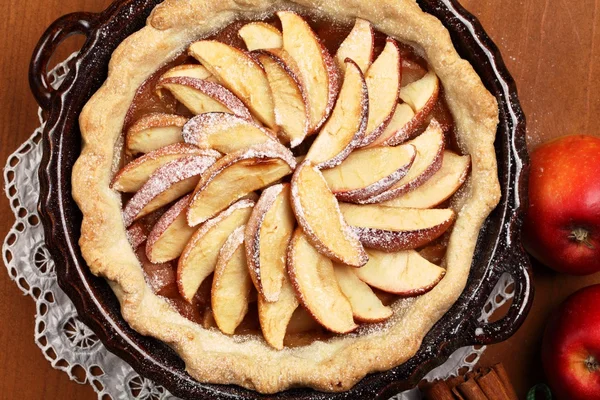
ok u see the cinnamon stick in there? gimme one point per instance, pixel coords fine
(439, 390)
(470, 390)
(503, 376)
(491, 385)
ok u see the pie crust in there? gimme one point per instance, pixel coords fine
(210, 356)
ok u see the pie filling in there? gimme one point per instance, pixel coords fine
(290, 178)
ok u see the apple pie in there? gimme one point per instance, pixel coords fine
(287, 193)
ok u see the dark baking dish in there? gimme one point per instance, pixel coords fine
(498, 249)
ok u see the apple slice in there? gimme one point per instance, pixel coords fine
(268, 234)
(345, 129)
(189, 71)
(302, 322)
(319, 215)
(168, 183)
(411, 72)
(368, 172)
(154, 131)
(400, 129)
(133, 176)
(202, 96)
(394, 229)
(232, 285)
(319, 73)
(316, 285)
(226, 133)
(275, 316)
(439, 188)
(366, 306)
(430, 150)
(235, 176)
(291, 112)
(405, 273)
(241, 74)
(383, 80)
(199, 257)
(260, 35)
(137, 234)
(358, 46)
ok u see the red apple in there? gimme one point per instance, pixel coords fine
(562, 227)
(571, 347)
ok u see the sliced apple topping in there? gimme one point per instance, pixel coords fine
(199, 257)
(383, 80)
(400, 129)
(231, 286)
(368, 172)
(395, 229)
(430, 149)
(319, 215)
(154, 131)
(235, 176)
(137, 234)
(267, 237)
(168, 183)
(260, 35)
(366, 306)
(440, 187)
(345, 129)
(224, 132)
(291, 112)
(358, 46)
(275, 316)
(189, 71)
(314, 280)
(404, 273)
(319, 73)
(241, 74)
(133, 176)
(411, 72)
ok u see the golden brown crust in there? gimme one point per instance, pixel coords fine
(336, 364)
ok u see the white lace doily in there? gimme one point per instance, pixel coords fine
(67, 343)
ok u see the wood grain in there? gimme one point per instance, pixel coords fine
(551, 47)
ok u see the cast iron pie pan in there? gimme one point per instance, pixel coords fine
(498, 249)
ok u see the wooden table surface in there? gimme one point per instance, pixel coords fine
(552, 49)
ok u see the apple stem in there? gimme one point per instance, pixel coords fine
(581, 236)
(592, 364)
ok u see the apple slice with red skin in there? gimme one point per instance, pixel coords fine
(196, 71)
(346, 127)
(137, 235)
(440, 187)
(133, 176)
(401, 128)
(316, 286)
(231, 285)
(154, 131)
(160, 277)
(368, 172)
(275, 316)
(394, 229)
(319, 72)
(199, 258)
(168, 183)
(268, 234)
(318, 213)
(430, 150)
(358, 46)
(260, 35)
(239, 72)
(403, 273)
(236, 175)
(226, 133)
(411, 72)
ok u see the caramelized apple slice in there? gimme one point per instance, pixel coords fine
(224, 132)
(383, 80)
(133, 176)
(315, 283)
(154, 131)
(405, 273)
(345, 129)
(358, 46)
(395, 229)
(189, 71)
(168, 183)
(267, 237)
(400, 129)
(235, 176)
(366, 306)
(137, 234)
(241, 74)
(318, 70)
(411, 72)
(291, 113)
(199, 257)
(430, 150)
(231, 286)
(318, 214)
(275, 316)
(368, 172)
(439, 187)
(260, 35)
